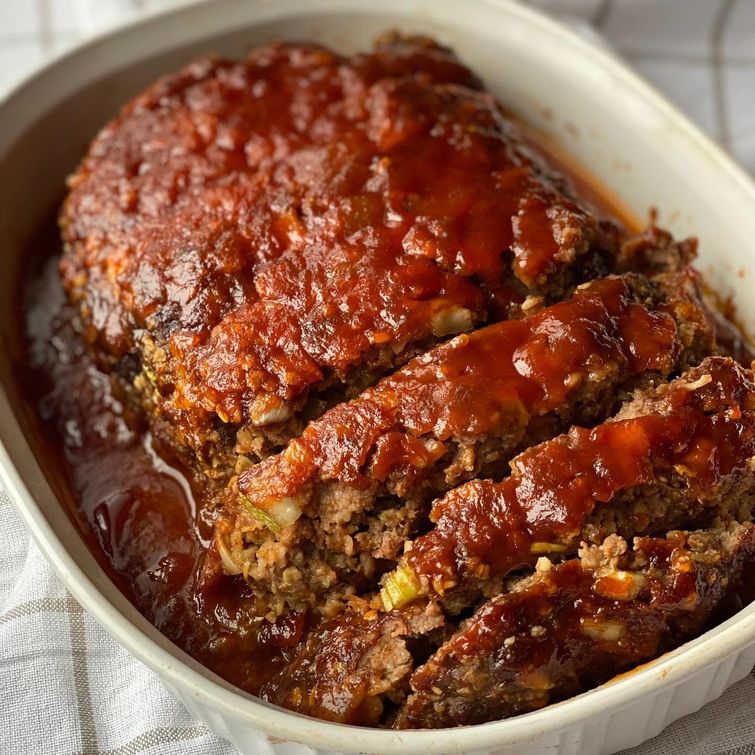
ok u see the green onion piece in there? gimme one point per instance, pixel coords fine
(261, 516)
(401, 587)
(539, 548)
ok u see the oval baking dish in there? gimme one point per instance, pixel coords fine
(578, 94)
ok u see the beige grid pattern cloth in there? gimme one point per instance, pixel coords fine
(66, 686)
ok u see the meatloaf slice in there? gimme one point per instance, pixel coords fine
(345, 495)
(252, 241)
(349, 666)
(570, 627)
(674, 453)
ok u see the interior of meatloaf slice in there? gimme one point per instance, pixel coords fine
(572, 626)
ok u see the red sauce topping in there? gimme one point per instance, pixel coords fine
(293, 216)
(485, 383)
(706, 432)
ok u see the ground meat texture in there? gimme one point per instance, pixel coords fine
(351, 489)
(654, 251)
(349, 665)
(570, 627)
(261, 237)
(674, 453)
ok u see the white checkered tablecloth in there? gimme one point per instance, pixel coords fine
(66, 686)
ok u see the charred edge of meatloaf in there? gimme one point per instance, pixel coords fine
(655, 251)
(573, 626)
(350, 666)
(679, 451)
(732, 339)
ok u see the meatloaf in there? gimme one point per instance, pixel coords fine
(468, 445)
(317, 522)
(563, 629)
(570, 627)
(251, 242)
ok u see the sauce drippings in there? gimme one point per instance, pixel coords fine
(136, 508)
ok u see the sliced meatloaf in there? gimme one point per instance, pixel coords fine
(350, 666)
(573, 626)
(319, 521)
(677, 452)
(557, 632)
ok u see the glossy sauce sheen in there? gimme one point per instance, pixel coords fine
(487, 382)
(709, 432)
(297, 215)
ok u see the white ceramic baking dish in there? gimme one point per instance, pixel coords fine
(619, 128)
